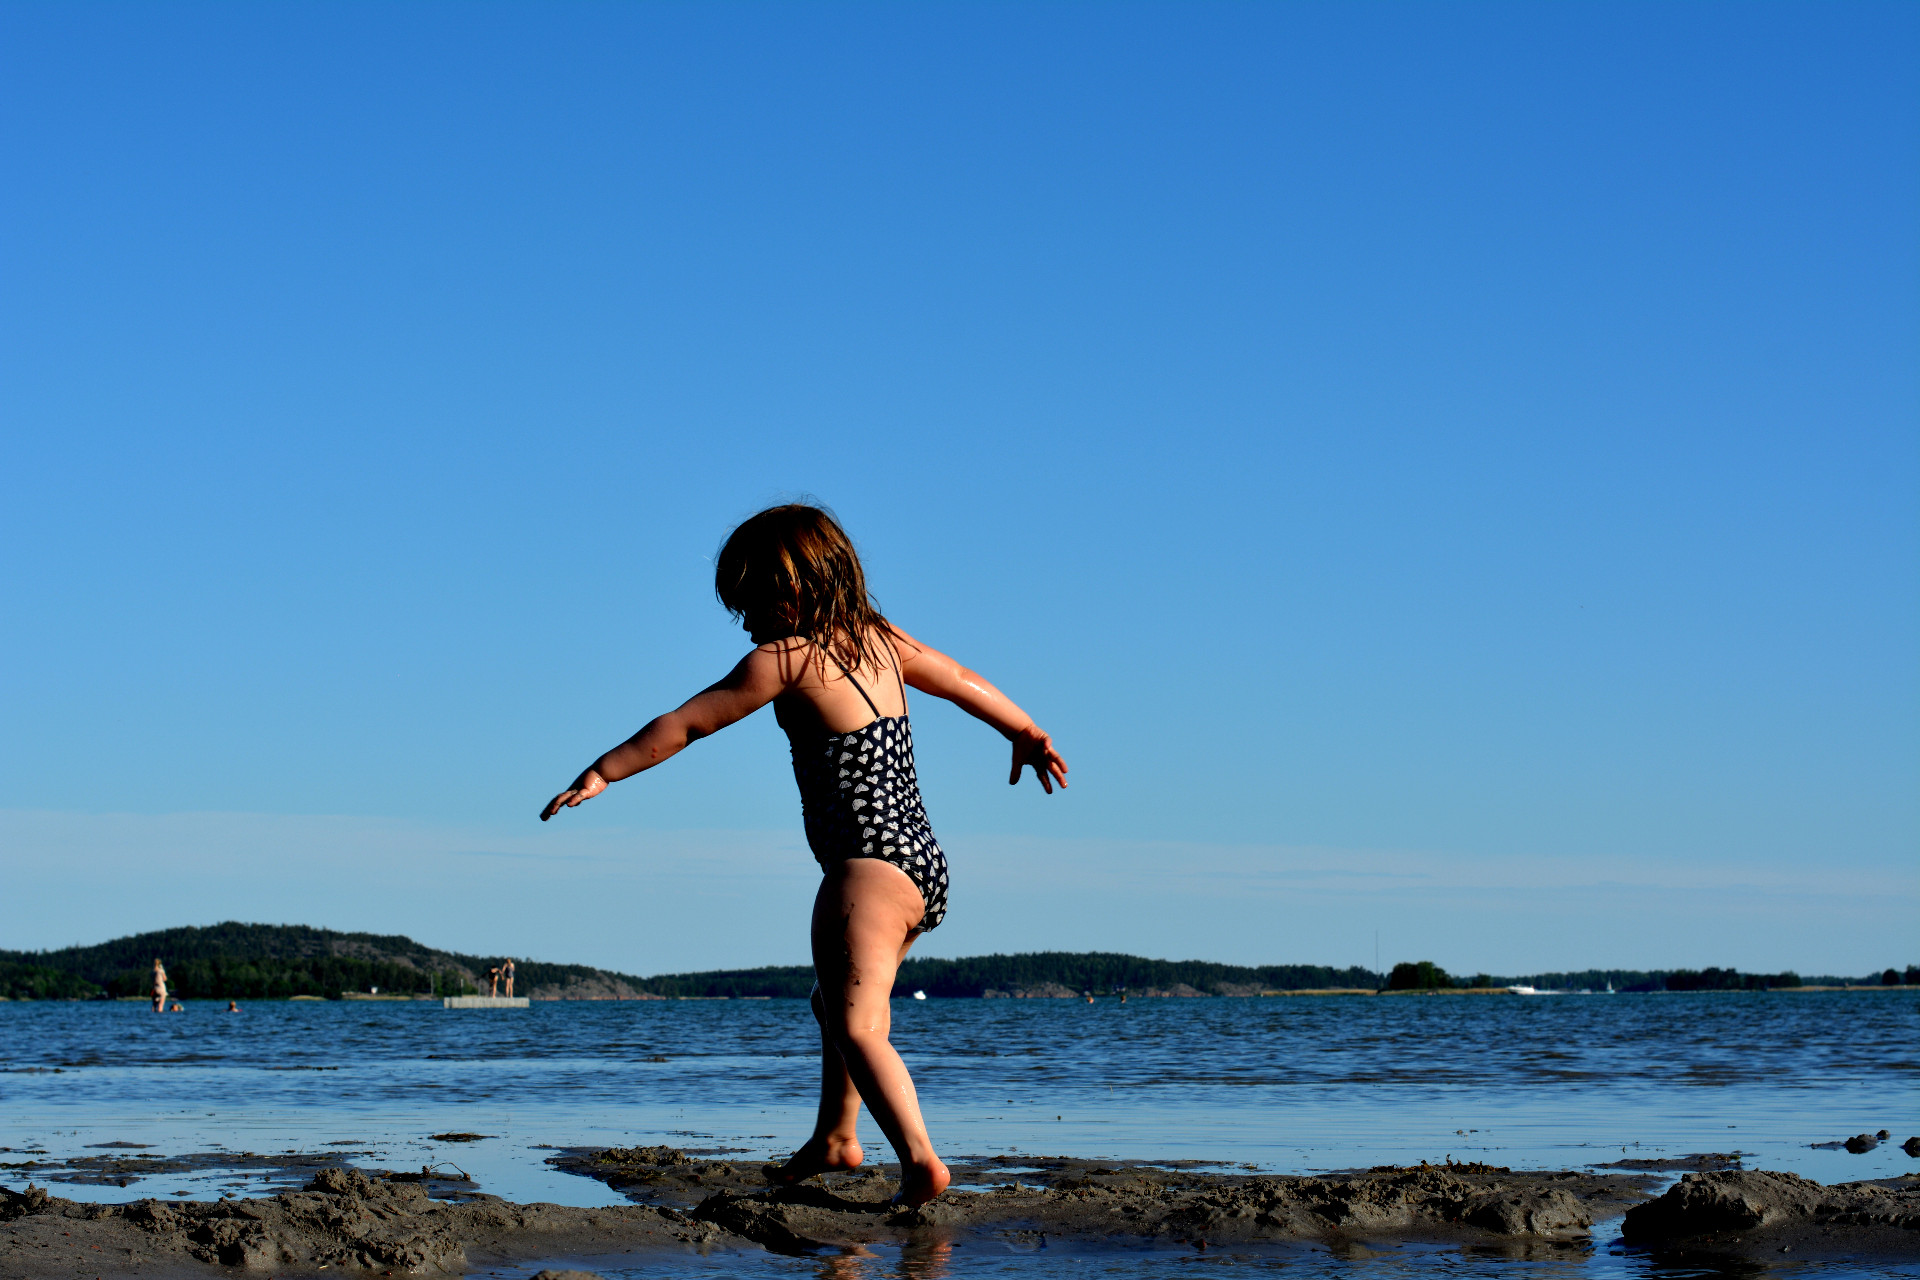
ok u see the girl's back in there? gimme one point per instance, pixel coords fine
(826, 697)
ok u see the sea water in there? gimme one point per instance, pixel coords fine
(1278, 1084)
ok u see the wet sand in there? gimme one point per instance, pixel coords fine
(350, 1219)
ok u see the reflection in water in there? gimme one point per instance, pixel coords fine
(926, 1260)
(854, 1262)
(918, 1260)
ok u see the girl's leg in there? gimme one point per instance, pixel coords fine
(863, 922)
(835, 1143)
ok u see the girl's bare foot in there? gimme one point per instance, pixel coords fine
(820, 1155)
(922, 1182)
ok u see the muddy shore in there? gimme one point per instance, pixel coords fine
(416, 1223)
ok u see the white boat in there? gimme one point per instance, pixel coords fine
(919, 995)
(1523, 991)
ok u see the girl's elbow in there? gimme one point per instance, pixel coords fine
(690, 729)
(677, 727)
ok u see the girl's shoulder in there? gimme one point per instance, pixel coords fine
(782, 646)
(901, 641)
(787, 659)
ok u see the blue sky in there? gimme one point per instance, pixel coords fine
(1446, 472)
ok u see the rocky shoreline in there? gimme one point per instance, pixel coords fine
(352, 1219)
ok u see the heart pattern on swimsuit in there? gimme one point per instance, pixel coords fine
(860, 797)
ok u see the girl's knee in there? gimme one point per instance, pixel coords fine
(861, 1041)
(852, 1020)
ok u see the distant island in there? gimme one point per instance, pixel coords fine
(235, 961)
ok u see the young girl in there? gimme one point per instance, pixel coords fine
(836, 673)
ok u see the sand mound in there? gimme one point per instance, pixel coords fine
(1782, 1205)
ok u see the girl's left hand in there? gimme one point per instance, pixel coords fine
(585, 787)
(1032, 746)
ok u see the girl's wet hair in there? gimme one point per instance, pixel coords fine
(792, 569)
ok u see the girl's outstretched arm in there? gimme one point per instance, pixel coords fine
(759, 677)
(931, 671)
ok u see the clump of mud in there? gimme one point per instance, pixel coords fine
(1859, 1144)
(1699, 1162)
(660, 1175)
(343, 1218)
(1749, 1211)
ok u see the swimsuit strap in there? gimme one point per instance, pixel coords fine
(897, 677)
(828, 649)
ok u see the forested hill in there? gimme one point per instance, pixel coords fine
(265, 961)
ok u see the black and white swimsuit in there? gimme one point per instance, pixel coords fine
(860, 798)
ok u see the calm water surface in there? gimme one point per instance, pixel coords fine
(1286, 1085)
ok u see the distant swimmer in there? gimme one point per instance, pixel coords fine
(159, 986)
(233, 1006)
(823, 656)
(506, 974)
(177, 1008)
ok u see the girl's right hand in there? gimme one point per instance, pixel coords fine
(585, 787)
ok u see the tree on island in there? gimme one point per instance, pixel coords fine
(1423, 975)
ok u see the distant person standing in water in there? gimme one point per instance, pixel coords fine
(159, 986)
(826, 658)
